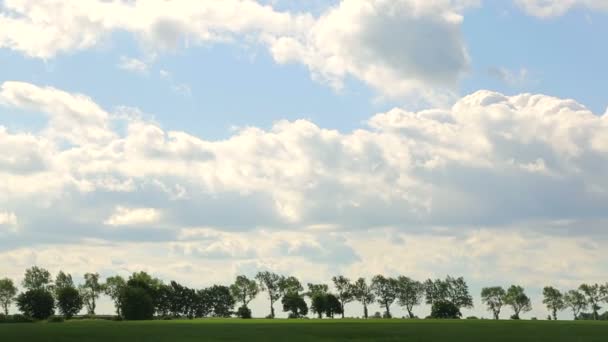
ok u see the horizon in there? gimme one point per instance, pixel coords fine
(199, 140)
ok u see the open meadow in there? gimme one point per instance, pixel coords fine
(308, 330)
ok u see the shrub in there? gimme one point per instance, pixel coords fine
(445, 310)
(15, 319)
(55, 319)
(38, 304)
(472, 317)
(377, 315)
(243, 312)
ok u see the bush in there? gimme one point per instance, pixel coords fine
(37, 304)
(445, 310)
(377, 315)
(243, 312)
(136, 304)
(386, 315)
(472, 317)
(55, 319)
(15, 319)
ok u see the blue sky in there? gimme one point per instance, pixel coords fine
(309, 137)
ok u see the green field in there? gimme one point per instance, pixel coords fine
(307, 330)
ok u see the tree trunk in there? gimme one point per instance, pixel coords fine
(271, 309)
(409, 312)
(496, 315)
(555, 314)
(365, 310)
(388, 311)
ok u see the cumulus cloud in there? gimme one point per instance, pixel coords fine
(479, 189)
(404, 47)
(136, 216)
(554, 8)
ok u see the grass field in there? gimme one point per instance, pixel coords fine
(308, 330)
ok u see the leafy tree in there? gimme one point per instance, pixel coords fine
(554, 300)
(318, 303)
(593, 296)
(289, 285)
(333, 306)
(314, 289)
(452, 290)
(318, 296)
(518, 300)
(69, 301)
(409, 293)
(244, 290)
(37, 303)
(269, 282)
(445, 310)
(112, 288)
(220, 300)
(62, 281)
(202, 304)
(345, 291)
(90, 291)
(8, 291)
(294, 303)
(576, 301)
(385, 290)
(364, 294)
(136, 303)
(37, 278)
(494, 298)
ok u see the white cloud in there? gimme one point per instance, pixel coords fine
(8, 221)
(401, 48)
(133, 64)
(513, 78)
(479, 189)
(133, 216)
(554, 8)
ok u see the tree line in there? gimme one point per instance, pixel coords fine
(142, 296)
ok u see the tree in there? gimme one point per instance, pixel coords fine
(37, 278)
(576, 301)
(409, 293)
(62, 281)
(345, 291)
(364, 294)
(90, 291)
(112, 288)
(318, 303)
(314, 289)
(244, 290)
(69, 301)
(220, 301)
(289, 285)
(494, 298)
(8, 291)
(452, 290)
(269, 282)
(318, 298)
(385, 290)
(136, 303)
(36, 303)
(333, 306)
(294, 303)
(518, 300)
(554, 300)
(445, 310)
(593, 296)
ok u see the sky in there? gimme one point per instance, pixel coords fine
(199, 140)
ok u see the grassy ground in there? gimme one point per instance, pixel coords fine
(307, 330)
